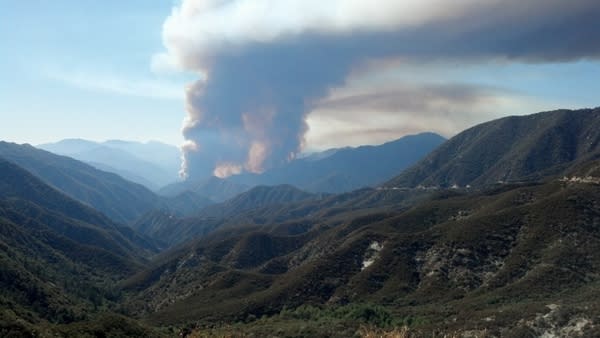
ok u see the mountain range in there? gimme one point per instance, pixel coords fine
(494, 232)
(441, 256)
(59, 259)
(172, 230)
(152, 164)
(348, 169)
(514, 148)
(121, 200)
(155, 165)
(330, 171)
(518, 248)
(213, 188)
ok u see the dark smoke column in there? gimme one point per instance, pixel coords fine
(249, 113)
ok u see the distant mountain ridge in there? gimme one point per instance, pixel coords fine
(509, 149)
(330, 171)
(127, 165)
(119, 199)
(19, 185)
(128, 175)
(152, 164)
(346, 169)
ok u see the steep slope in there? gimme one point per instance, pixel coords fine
(124, 161)
(121, 200)
(187, 203)
(452, 261)
(214, 188)
(509, 149)
(333, 171)
(171, 229)
(512, 259)
(128, 175)
(163, 155)
(257, 197)
(31, 199)
(347, 169)
(59, 259)
(167, 227)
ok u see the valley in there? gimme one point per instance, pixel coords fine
(495, 232)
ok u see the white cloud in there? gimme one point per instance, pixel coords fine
(387, 99)
(374, 115)
(198, 28)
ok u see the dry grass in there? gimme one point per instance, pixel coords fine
(370, 332)
(404, 332)
(363, 331)
(210, 334)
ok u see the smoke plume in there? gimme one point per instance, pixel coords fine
(263, 65)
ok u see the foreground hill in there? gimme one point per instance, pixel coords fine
(518, 258)
(515, 148)
(450, 262)
(347, 169)
(59, 259)
(508, 259)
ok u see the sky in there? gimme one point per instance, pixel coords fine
(82, 69)
(244, 85)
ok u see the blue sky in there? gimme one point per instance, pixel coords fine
(82, 69)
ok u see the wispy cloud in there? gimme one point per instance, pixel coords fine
(118, 84)
(373, 115)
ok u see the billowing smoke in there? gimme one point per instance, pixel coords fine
(265, 64)
(249, 113)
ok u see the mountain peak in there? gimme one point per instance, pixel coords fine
(347, 169)
(512, 148)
